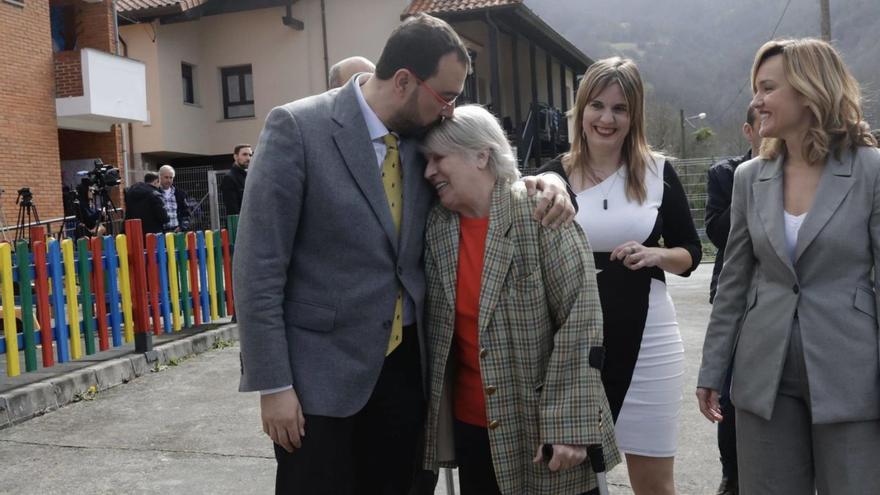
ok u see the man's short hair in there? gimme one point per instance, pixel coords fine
(751, 115)
(151, 177)
(418, 44)
(167, 168)
(238, 147)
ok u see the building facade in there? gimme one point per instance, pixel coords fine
(66, 98)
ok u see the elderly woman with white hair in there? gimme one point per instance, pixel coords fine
(513, 320)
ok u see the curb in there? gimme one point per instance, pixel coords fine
(37, 399)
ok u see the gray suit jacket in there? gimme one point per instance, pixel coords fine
(317, 259)
(829, 288)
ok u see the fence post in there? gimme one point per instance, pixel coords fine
(62, 340)
(112, 269)
(227, 272)
(183, 268)
(72, 299)
(218, 273)
(164, 303)
(41, 285)
(204, 286)
(153, 282)
(173, 280)
(143, 339)
(7, 295)
(232, 227)
(27, 305)
(212, 275)
(194, 277)
(100, 297)
(125, 287)
(86, 294)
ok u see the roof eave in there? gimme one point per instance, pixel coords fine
(445, 14)
(529, 16)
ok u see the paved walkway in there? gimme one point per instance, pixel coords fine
(185, 429)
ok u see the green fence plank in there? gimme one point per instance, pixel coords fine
(183, 272)
(22, 255)
(82, 248)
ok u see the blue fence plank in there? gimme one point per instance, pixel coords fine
(164, 297)
(111, 287)
(203, 277)
(56, 273)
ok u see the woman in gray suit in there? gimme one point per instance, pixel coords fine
(796, 307)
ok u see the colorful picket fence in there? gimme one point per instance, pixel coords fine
(78, 298)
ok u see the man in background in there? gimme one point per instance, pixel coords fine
(144, 201)
(719, 191)
(175, 201)
(342, 71)
(232, 184)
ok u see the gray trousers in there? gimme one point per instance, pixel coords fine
(789, 455)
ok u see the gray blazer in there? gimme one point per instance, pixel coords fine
(829, 288)
(317, 261)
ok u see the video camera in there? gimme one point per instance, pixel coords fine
(25, 196)
(102, 177)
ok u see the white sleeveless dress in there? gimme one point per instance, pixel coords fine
(648, 421)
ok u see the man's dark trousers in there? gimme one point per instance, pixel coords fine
(727, 432)
(376, 450)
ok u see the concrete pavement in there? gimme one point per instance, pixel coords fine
(185, 429)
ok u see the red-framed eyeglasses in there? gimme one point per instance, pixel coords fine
(447, 105)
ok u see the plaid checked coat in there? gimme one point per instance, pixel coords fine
(539, 317)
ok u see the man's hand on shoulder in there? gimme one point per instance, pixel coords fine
(554, 208)
(283, 419)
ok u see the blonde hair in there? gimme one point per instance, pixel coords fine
(817, 72)
(470, 130)
(636, 152)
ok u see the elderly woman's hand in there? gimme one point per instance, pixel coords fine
(554, 208)
(564, 456)
(707, 399)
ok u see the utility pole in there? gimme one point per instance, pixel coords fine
(681, 116)
(825, 12)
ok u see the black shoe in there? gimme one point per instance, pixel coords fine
(728, 486)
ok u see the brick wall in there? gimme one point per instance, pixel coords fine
(79, 145)
(94, 29)
(94, 22)
(27, 98)
(68, 74)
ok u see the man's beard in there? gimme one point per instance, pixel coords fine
(406, 121)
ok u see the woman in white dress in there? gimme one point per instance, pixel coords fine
(629, 199)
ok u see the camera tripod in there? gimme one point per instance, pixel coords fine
(27, 213)
(106, 208)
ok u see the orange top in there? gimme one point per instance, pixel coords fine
(469, 403)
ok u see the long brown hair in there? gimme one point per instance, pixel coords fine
(636, 152)
(817, 72)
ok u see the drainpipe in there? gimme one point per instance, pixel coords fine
(324, 34)
(494, 68)
(115, 25)
(125, 129)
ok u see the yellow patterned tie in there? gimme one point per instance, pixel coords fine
(392, 180)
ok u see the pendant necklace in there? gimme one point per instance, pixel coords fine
(605, 192)
(602, 190)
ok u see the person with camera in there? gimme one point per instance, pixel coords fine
(144, 201)
(175, 201)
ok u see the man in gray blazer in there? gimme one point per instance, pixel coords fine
(328, 269)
